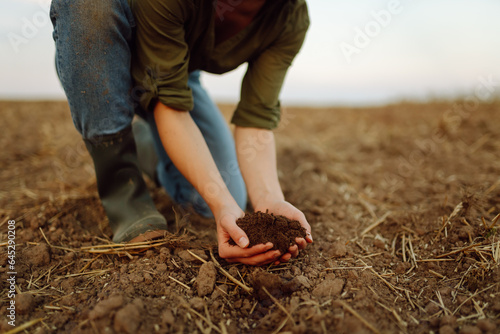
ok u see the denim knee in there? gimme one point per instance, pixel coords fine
(91, 22)
(91, 15)
(93, 39)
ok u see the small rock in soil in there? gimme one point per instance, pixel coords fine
(352, 275)
(38, 255)
(233, 271)
(272, 283)
(167, 317)
(162, 267)
(337, 249)
(69, 257)
(353, 325)
(220, 291)
(263, 227)
(297, 283)
(136, 278)
(431, 308)
(247, 306)
(127, 319)
(70, 284)
(69, 300)
(470, 330)
(237, 304)
(445, 291)
(148, 279)
(486, 325)
(402, 267)
(25, 302)
(184, 254)
(104, 307)
(379, 244)
(448, 320)
(295, 270)
(197, 303)
(329, 288)
(446, 329)
(206, 279)
(496, 306)
(139, 303)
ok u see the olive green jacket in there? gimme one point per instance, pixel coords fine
(175, 37)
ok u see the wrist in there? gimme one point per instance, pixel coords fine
(221, 205)
(263, 201)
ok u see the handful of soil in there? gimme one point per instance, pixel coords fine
(263, 227)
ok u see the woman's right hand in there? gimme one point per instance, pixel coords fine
(227, 228)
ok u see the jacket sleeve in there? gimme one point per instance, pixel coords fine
(161, 54)
(259, 104)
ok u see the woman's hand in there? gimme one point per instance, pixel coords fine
(257, 255)
(256, 151)
(283, 208)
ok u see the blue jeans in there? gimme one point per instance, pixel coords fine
(93, 55)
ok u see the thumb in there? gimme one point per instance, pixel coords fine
(228, 223)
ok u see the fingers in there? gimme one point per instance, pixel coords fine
(286, 257)
(303, 221)
(239, 236)
(309, 237)
(301, 243)
(258, 260)
(293, 251)
(306, 225)
(227, 251)
(262, 258)
(301, 218)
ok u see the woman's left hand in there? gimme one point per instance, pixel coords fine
(286, 209)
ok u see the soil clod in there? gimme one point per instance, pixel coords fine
(264, 280)
(263, 227)
(329, 288)
(25, 302)
(128, 319)
(206, 279)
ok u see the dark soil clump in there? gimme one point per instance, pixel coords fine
(263, 227)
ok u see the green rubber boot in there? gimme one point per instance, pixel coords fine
(146, 154)
(123, 192)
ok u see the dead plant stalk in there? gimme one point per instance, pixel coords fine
(358, 316)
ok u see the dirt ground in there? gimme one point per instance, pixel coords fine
(402, 200)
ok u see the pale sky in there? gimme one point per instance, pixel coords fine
(355, 53)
